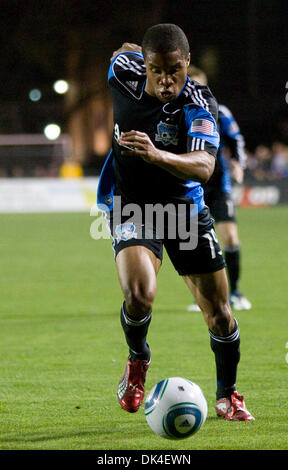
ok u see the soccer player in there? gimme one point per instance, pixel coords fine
(164, 147)
(218, 194)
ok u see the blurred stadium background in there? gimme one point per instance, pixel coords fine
(56, 117)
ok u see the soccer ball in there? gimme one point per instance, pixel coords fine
(175, 408)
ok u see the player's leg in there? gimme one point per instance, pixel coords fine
(228, 234)
(137, 260)
(225, 219)
(223, 211)
(210, 200)
(203, 270)
(137, 268)
(211, 293)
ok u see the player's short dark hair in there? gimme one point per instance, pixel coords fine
(165, 38)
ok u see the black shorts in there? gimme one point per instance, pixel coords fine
(204, 257)
(221, 206)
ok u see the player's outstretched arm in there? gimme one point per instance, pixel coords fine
(126, 47)
(237, 171)
(198, 165)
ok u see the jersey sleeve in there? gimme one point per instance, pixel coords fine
(202, 130)
(231, 136)
(127, 73)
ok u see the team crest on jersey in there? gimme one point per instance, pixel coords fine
(125, 232)
(167, 133)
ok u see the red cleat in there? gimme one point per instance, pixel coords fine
(233, 409)
(131, 387)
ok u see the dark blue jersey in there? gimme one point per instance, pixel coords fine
(184, 125)
(232, 139)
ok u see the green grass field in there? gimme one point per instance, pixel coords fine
(63, 350)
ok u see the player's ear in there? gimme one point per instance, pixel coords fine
(188, 59)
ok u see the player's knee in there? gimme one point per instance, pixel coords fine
(230, 237)
(139, 301)
(221, 320)
(231, 241)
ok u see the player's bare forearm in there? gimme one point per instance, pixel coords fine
(198, 165)
(237, 171)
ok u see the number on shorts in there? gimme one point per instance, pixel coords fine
(211, 237)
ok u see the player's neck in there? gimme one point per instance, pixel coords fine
(149, 90)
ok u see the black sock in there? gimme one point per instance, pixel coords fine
(135, 334)
(227, 355)
(232, 258)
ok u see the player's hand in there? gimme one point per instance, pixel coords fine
(139, 144)
(237, 172)
(126, 46)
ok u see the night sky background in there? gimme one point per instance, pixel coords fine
(242, 45)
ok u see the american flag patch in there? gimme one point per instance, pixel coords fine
(202, 125)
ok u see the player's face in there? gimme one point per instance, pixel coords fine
(166, 74)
